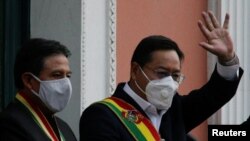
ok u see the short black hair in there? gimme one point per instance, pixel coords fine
(30, 57)
(144, 50)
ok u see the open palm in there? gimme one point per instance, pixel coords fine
(219, 41)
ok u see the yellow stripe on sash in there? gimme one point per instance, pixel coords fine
(27, 105)
(41, 121)
(143, 127)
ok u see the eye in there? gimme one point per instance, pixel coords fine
(176, 76)
(162, 74)
(69, 75)
(57, 75)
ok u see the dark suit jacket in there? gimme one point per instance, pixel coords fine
(98, 123)
(247, 122)
(17, 124)
(246, 125)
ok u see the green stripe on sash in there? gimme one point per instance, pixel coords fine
(134, 131)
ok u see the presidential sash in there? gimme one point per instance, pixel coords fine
(39, 117)
(138, 126)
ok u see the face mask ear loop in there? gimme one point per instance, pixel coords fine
(144, 74)
(34, 77)
(137, 85)
(38, 81)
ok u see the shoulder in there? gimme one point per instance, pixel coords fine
(97, 111)
(15, 112)
(98, 122)
(17, 124)
(99, 115)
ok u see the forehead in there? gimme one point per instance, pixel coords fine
(55, 62)
(165, 58)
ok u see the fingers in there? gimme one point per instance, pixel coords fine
(214, 20)
(211, 21)
(226, 22)
(203, 29)
(208, 21)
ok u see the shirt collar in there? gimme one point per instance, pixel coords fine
(145, 105)
(141, 102)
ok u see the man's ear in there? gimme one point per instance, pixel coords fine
(134, 70)
(27, 78)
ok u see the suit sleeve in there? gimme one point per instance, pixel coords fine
(246, 123)
(97, 123)
(202, 103)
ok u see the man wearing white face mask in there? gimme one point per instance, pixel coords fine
(42, 78)
(148, 107)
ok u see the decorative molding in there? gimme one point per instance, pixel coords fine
(110, 50)
(83, 54)
(112, 46)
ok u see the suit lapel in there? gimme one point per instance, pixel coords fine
(29, 126)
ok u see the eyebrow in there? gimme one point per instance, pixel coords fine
(55, 71)
(166, 69)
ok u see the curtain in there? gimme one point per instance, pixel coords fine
(16, 30)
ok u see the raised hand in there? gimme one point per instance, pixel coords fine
(219, 41)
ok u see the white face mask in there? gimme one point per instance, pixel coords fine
(160, 92)
(55, 94)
